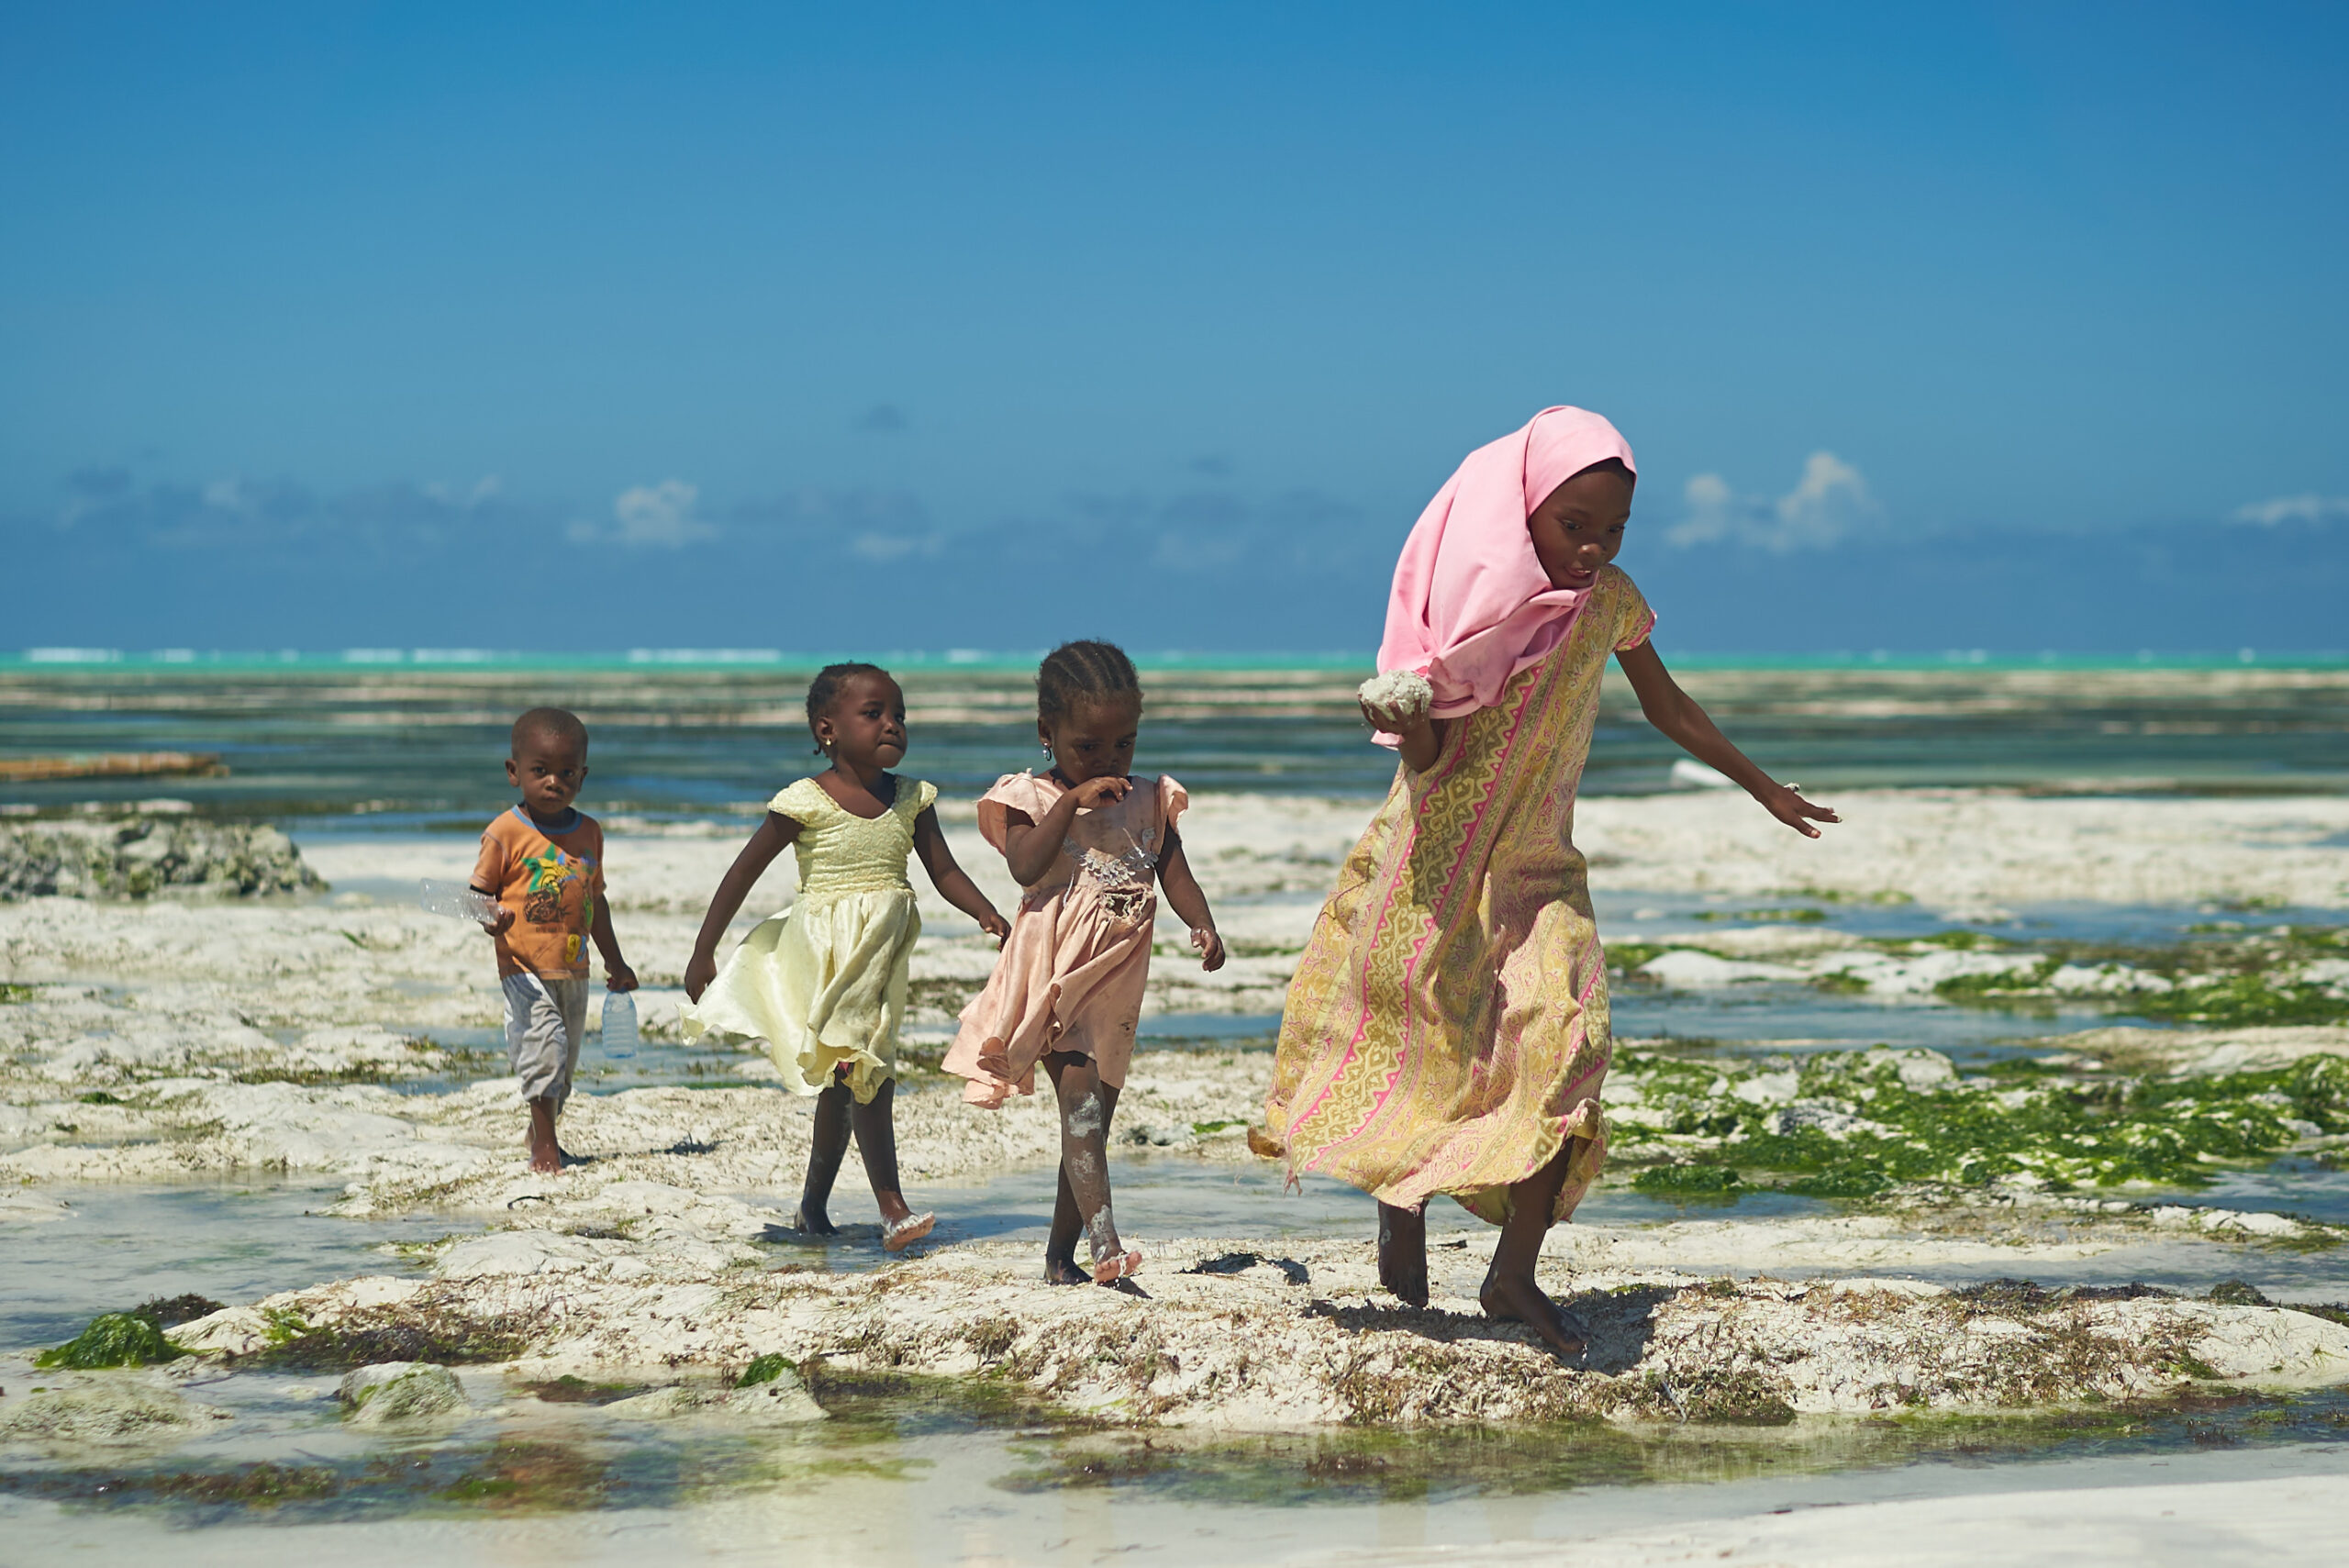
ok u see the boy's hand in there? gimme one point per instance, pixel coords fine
(1785, 803)
(503, 923)
(699, 972)
(994, 926)
(618, 977)
(1101, 791)
(1209, 946)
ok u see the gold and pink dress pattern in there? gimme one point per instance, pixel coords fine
(1447, 1029)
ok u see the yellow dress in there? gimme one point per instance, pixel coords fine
(824, 982)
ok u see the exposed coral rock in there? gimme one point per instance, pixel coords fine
(400, 1391)
(136, 857)
(100, 1408)
(1304, 1339)
(782, 1401)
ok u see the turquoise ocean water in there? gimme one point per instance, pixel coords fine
(402, 738)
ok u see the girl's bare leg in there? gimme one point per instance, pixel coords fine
(824, 1155)
(1087, 1105)
(877, 1141)
(1509, 1290)
(1403, 1253)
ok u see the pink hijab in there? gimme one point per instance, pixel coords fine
(1470, 604)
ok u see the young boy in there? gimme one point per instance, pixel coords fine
(543, 862)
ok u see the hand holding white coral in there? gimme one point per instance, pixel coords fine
(1396, 701)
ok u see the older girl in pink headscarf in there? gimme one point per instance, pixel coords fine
(1447, 1029)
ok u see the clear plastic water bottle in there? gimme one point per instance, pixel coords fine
(458, 900)
(619, 1025)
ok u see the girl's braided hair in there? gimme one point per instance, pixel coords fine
(1083, 672)
(825, 690)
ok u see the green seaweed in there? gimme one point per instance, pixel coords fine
(1691, 1180)
(2246, 1001)
(290, 1343)
(765, 1369)
(2059, 1131)
(113, 1338)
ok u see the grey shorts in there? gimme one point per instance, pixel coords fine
(544, 1020)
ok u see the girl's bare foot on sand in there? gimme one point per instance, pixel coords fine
(1116, 1266)
(896, 1235)
(813, 1221)
(1514, 1298)
(1403, 1253)
(547, 1159)
(1063, 1271)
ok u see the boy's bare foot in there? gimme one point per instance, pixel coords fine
(1403, 1253)
(1515, 1299)
(896, 1235)
(814, 1223)
(546, 1154)
(1116, 1267)
(1063, 1271)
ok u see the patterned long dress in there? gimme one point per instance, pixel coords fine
(1447, 1029)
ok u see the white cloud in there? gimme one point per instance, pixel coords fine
(887, 548)
(488, 487)
(2308, 508)
(651, 516)
(1829, 501)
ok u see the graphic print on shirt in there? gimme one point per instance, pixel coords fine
(549, 873)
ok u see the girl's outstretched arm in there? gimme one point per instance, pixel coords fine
(769, 840)
(1190, 905)
(954, 884)
(1676, 713)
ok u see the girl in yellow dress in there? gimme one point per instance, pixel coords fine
(824, 984)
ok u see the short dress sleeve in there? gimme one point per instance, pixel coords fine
(1172, 800)
(805, 802)
(915, 796)
(1634, 619)
(1023, 793)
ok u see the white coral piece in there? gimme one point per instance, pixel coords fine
(1401, 695)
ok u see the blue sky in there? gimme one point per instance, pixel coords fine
(916, 325)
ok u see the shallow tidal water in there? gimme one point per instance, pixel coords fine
(904, 1472)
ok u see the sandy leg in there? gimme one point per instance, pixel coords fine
(1510, 1291)
(1087, 1105)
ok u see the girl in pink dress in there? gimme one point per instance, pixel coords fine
(1086, 840)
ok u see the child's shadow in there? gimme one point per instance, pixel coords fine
(1621, 1323)
(858, 1236)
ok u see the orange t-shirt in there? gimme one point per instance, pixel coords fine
(551, 880)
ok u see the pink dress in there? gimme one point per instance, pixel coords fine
(1071, 972)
